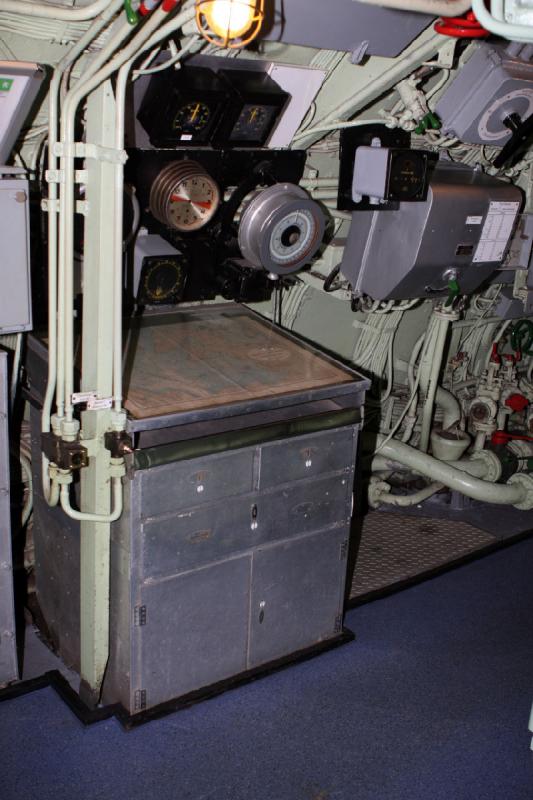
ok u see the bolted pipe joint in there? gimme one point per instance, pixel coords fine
(526, 482)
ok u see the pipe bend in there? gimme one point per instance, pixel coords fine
(438, 471)
(51, 11)
(82, 516)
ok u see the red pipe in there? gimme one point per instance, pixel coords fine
(466, 27)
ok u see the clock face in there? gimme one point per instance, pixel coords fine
(254, 123)
(192, 119)
(193, 201)
(184, 196)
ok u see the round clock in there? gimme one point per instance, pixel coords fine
(184, 196)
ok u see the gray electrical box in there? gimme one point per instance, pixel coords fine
(15, 298)
(8, 643)
(20, 82)
(491, 86)
(463, 228)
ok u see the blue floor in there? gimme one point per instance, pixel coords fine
(432, 701)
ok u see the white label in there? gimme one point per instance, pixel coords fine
(186, 137)
(496, 232)
(97, 403)
(474, 220)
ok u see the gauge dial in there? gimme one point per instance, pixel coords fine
(184, 196)
(191, 118)
(162, 280)
(254, 123)
(281, 229)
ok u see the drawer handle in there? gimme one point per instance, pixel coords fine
(254, 524)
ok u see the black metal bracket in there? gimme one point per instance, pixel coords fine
(65, 455)
(119, 443)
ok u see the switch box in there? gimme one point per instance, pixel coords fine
(15, 297)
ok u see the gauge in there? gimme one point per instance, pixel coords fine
(407, 175)
(162, 280)
(281, 229)
(184, 196)
(184, 107)
(191, 118)
(254, 123)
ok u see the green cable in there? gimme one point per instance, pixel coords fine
(131, 15)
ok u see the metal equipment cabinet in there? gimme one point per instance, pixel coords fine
(232, 549)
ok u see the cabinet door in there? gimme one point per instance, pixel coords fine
(193, 631)
(297, 594)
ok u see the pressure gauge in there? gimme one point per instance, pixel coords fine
(191, 119)
(184, 196)
(281, 229)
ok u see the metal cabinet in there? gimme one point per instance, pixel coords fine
(8, 644)
(216, 586)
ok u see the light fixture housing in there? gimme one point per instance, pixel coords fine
(229, 23)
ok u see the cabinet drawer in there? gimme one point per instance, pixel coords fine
(307, 456)
(210, 533)
(184, 484)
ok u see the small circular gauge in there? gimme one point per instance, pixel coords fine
(281, 229)
(254, 123)
(191, 118)
(162, 281)
(184, 196)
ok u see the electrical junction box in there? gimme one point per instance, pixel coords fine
(19, 85)
(462, 228)
(15, 298)
(389, 174)
(491, 86)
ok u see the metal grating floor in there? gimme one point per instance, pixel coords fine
(398, 548)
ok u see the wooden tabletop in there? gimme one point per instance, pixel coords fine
(194, 361)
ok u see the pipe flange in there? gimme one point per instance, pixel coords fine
(375, 490)
(491, 462)
(527, 483)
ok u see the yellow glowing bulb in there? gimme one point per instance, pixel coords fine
(229, 18)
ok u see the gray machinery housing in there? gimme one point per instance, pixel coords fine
(15, 304)
(462, 229)
(344, 25)
(19, 85)
(492, 85)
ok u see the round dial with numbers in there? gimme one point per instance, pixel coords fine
(192, 118)
(184, 196)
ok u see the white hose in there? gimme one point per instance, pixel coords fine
(500, 494)
(431, 382)
(55, 373)
(406, 500)
(81, 516)
(149, 35)
(28, 504)
(50, 11)
(439, 8)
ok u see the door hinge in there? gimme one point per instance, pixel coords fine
(139, 699)
(338, 623)
(139, 615)
(344, 549)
